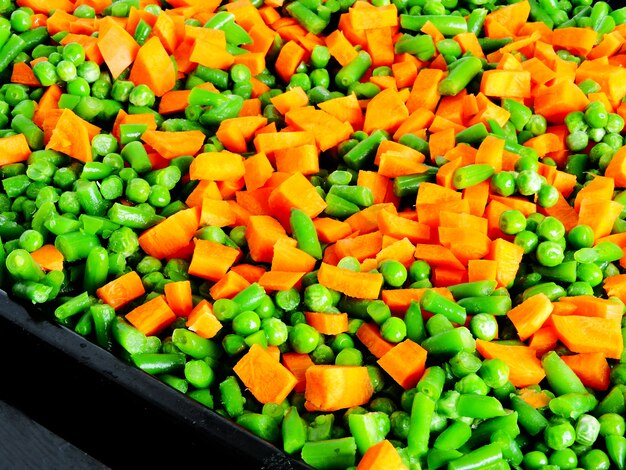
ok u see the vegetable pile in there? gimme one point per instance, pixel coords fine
(383, 234)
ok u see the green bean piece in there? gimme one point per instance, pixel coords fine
(96, 269)
(435, 302)
(530, 418)
(158, 363)
(560, 376)
(446, 24)
(193, 344)
(103, 316)
(231, 396)
(422, 412)
(74, 305)
(305, 233)
(35, 292)
(76, 245)
(354, 70)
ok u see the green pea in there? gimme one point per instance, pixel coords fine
(615, 123)
(589, 273)
(528, 182)
(550, 228)
(21, 20)
(547, 196)
(483, 326)
(595, 459)
(394, 273)
(549, 253)
(393, 329)
(317, 298)
(579, 288)
(581, 236)
(31, 240)
(349, 262)
(303, 338)
(527, 240)
(246, 323)
(138, 190)
(559, 435)
(495, 372)
(349, 357)
(564, 459)
(535, 460)
(419, 271)
(533, 220)
(512, 221)
(577, 141)
(596, 115)
(276, 331)
(503, 183)
(74, 52)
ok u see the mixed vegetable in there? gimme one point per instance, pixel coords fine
(377, 234)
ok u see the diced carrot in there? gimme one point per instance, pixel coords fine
(212, 260)
(584, 334)
(202, 321)
(121, 290)
(330, 387)
(592, 369)
(328, 323)
(382, 455)
(405, 363)
(530, 315)
(267, 379)
(179, 298)
(524, 366)
(297, 364)
(152, 317)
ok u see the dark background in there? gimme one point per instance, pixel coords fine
(62, 397)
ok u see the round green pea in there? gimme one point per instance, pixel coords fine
(349, 262)
(596, 115)
(495, 372)
(275, 330)
(74, 52)
(527, 240)
(503, 183)
(579, 288)
(528, 182)
(547, 196)
(303, 338)
(393, 329)
(246, 323)
(550, 228)
(20, 20)
(512, 221)
(595, 459)
(484, 326)
(234, 344)
(349, 357)
(394, 273)
(559, 435)
(581, 236)
(549, 253)
(31, 240)
(564, 459)
(527, 162)
(533, 220)
(589, 273)
(535, 460)
(419, 271)
(317, 298)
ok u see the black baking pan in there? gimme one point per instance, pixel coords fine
(114, 412)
